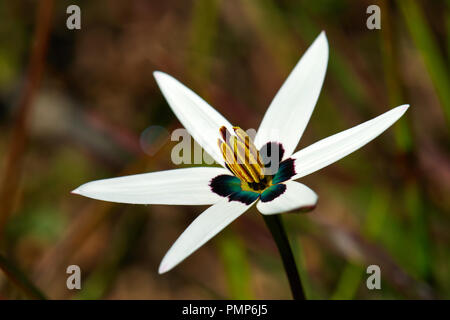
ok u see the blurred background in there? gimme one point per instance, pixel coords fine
(80, 105)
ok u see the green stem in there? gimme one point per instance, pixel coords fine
(20, 279)
(276, 228)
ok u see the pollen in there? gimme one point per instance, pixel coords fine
(243, 159)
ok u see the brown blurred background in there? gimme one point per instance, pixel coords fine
(80, 105)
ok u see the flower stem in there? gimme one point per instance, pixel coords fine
(276, 228)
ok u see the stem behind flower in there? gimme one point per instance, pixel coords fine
(276, 228)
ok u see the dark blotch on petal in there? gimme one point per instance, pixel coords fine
(285, 172)
(246, 197)
(273, 192)
(258, 186)
(224, 185)
(269, 151)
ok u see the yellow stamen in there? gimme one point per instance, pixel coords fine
(245, 138)
(241, 155)
(230, 159)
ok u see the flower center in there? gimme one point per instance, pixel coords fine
(243, 159)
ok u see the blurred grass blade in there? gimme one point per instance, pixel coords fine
(234, 258)
(352, 276)
(340, 67)
(447, 27)
(98, 283)
(389, 53)
(426, 44)
(416, 208)
(9, 184)
(20, 279)
(349, 282)
(202, 38)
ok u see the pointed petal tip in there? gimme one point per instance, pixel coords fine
(158, 74)
(399, 111)
(162, 76)
(163, 268)
(75, 191)
(323, 38)
(404, 107)
(84, 189)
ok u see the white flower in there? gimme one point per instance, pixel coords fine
(233, 188)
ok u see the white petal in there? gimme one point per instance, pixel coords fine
(202, 229)
(200, 119)
(335, 147)
(296, 196)
(290, 110)
(187, 186)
